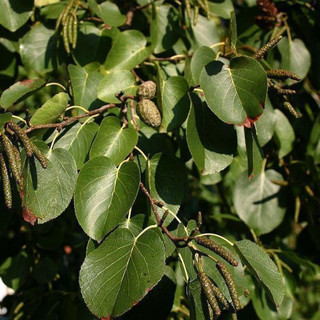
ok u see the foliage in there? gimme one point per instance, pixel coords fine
(160, 159)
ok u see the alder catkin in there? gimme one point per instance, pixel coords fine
(6, 183)
(206, 286)
(148, 113)
(38, 154)
(230, 284)
(219, 295)
(147, 90)
(216, 248)
(282, 74)
(22, 136)
(9, 150)
(271, 44)
(291, 109)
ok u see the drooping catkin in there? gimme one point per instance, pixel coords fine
(23, 137)
(6, 183)
(10, 153)
(230, 284)
(206, 286)
(219, 295)
(282, 74)
(262, 51)
(216, 248)
(291, 109)
(38, 154)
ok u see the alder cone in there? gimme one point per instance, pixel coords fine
(148, 113)
(147, 90)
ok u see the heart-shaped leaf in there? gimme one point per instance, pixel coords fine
(235, 93)
(104, 194)
(121, 271)
(113, 140)
(259, 263)
(51, 110)
(212, 143)
(48, 192)
(19, 91)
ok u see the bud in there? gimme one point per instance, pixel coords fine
(147, 90)
(148, 113)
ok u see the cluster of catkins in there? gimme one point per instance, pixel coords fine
(213, 294)
(146, 108)
(10, 160)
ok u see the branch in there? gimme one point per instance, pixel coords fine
(159, 220)
(69, 120)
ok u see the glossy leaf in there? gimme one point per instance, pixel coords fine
(164, 27)
(84, 86)
(258, 201)
(174, 103)
(77, 140)
(51, 110)
(235, 93)
(48, 191)
(212, 143)
(264, 269)
(14, 14)
(284, 134)
(104, 194)
(113, 83)
(201, 57)
(38, 49)
(121, 271)
(166, 181)
(108, 12)
(295, 57)
(128, 50)
(113, 140)
(19, 91)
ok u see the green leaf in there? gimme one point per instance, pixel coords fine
(295, 57)
(19, 91)
(51, 110)
(121, 271)
(128, 50)
(113, 140)
(108, 12)
(113, 83)
(8, 62)
(104, 194)
(221, 8)
(4, 118)
(49, 191)
(212, 143)
(164, 27)
(13, 270)
(235, 93)
(258, 201)
(98, 40)
(14, 13)
(38, 49)
(264, 269)
(166, 181)
(233, 31)
(84, 86)
(77, 140)
(284, 134)
(254, 152)
(174, 102)
(201, 57)
(204, 33)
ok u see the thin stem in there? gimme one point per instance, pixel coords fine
(146, 229)
(77, 107)
(216, 235)
(54, 140)
(141, 152)
(297, 210)
(18, 118)
(183, 266)
(218, 44)
(56, 84)
(255, 238)
(129, 217)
